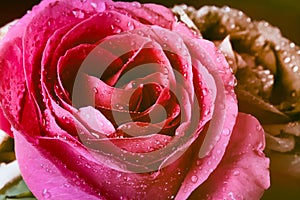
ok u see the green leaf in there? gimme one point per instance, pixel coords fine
(17, 190)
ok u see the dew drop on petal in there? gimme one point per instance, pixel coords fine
(226, 132)
(94, 5)
(77, 182)
(95, 90)
(277, 47)
(134, 84)
(236, 173)
(136, 4)
(287, 60)
(46, 194)
(78, 13)
(258, 127)
(295, 68)
(194, 178)
(205, 91)
(87, 165)
(199, 162)
(292, 45)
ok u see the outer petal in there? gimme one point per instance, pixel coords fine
(219, 129)
(45, 179)
(70, 172)
(243, 173)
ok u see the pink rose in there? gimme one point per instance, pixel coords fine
(114, 100)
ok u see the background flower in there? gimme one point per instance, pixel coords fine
(266, 65)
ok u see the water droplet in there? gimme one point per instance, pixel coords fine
(66, 185)
(87, 165)
(116, 29)
(94, 5)
(236, 173)
(117, 20)
(136, 4)
(226, 132)
(258, 127)
(199, 162)
(119, 107)
(287, 60)
(95, 90)
(232, 26)
(78, 13)
(292, 45)
(194, 178)
(129, 24)
(134, 84)
(226, 9)
(46, 194)
(77, 182)
(295, 68)
(205, 91)
(49, 22)
(140, 33)
(277, 47)
(266, 24)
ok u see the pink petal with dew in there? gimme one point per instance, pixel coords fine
(243, 172)
(70, 171)
(210, 62)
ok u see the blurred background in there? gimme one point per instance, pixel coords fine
(284, 14)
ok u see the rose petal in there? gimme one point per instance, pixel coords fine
(99, 27)
(243, 172)
(16, 102)
(67, 68)
(57, 183)
(217, 132)
(36, 36)
(60, 181)
(95, 120)
(148, 13)
(142, 144)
